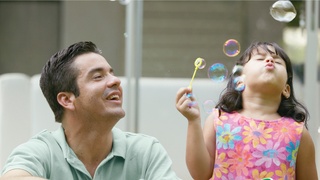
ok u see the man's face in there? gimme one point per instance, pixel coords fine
(100, 91)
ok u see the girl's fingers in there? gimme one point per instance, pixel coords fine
(181, 92)
(184, 98)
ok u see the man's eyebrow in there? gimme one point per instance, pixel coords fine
(100, 69)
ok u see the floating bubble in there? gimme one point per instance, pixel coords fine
(192, 103)
(237, 70)
(238, 78)
(189, 95)
(208, 106)
(283, 11)
(124, 2)
(217, 72)
(125, 35)
(231, 48)
(200, 63)
(239, 83)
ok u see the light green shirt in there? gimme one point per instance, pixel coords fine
(133, 157)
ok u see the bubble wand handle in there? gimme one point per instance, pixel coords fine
(197, 64)
(194, 74)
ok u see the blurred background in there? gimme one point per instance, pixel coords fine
(173, 33)
(160, 39)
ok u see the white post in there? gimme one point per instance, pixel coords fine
(310, 73)
(133, 58)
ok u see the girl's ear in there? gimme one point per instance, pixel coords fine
(286, 91)
(65, 99)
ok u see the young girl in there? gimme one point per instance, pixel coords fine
(255, 132)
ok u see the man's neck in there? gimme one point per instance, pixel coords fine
(91, 145)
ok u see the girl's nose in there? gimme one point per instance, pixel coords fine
(269, 59)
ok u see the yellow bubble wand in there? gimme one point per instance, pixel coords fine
(197, 64)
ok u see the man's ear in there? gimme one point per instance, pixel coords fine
(286, 91)
(65, 99)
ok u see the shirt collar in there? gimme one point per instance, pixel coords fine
(61, 140)
(118, 145)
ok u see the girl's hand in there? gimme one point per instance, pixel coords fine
(186, 104)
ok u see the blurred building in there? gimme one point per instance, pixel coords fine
(174, 33)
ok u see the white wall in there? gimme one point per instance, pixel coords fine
(15, 123)
(160, 118)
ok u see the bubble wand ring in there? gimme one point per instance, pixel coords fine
(197, 64)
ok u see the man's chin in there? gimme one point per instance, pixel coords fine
(121, 114)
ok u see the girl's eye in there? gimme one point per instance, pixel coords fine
(278, 60)
(260, 58)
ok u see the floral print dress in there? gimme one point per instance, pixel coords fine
(254, 149)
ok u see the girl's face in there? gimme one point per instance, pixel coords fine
(265, 71)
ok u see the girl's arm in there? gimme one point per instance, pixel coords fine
(198, 159)
(209, 135)
(306, 165)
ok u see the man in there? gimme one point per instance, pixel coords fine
(86, 98)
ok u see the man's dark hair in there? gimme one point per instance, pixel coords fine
(59, 74)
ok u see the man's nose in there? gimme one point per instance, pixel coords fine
(114, 81)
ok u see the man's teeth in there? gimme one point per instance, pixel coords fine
(113, 97)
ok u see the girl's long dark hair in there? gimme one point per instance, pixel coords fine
(231, 99)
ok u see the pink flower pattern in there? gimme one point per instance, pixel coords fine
(264, 150)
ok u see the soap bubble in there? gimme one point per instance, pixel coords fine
(217, 72)
(189, 95)
(200, 63)
(192, 103)
(124, 2)
(231, 48)
(237, 70)
(283, 11)
(238, 78)
(239, 83)
(208, 106)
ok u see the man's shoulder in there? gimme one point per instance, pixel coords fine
(38, 144)
(43, 136)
